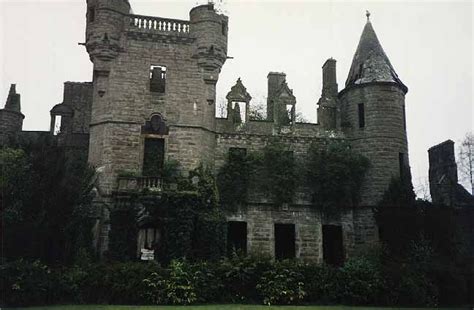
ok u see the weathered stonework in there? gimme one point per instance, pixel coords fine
(132, 54)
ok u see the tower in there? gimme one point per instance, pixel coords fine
(11, 118)
(373, 115)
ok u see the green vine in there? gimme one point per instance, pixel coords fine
(279, 172)
(335, 174)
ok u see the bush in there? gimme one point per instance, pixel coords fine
(283, 284)
(25, 284)
(321, 283)
(176, 287)
(360, 282)
(240, 276)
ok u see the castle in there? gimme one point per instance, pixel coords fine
(153, 98)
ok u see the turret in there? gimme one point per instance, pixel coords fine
(105, 23)
(210, 30)
(210, 49)
(11, 118)
(373, 115)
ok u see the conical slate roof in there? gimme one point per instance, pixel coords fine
(370, 64)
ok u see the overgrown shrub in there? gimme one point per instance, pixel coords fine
(240, 276)
(176, 286)
(361, 282)
(24, 283)
(321, 283)
(283, 284)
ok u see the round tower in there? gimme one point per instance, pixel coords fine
(373, 115)
(210, 30)
(105, 23)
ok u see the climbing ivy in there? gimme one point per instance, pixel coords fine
(335, 174)
(279, 172)
(233, 178)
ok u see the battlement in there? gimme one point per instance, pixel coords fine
(150, 24)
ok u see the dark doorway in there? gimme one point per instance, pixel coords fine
(333, 250)
(284, 241)
(153, 157)
(236, 237)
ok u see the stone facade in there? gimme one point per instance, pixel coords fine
(155, 78)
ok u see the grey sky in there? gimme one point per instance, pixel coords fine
(430, 45)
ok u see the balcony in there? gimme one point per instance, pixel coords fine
(138, 183)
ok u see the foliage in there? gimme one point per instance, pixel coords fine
(240, 276)
(280, 175)
(283, 284)
(335, 175)
(363, 282)
(234, 177)
(239, 279)
(46, 203)
(257, 112)
(123, 232)
(25, 283)
(175, 287)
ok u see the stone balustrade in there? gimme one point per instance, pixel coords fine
(136, 184)
(158, 24)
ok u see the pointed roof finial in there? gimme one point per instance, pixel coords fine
(367, 13)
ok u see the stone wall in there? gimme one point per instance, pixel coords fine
(78, 96)
(357, 229)
(10, 121)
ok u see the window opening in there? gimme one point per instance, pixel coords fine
(57, 125)
(239, 110)
(91, 15)
(333, 250)
(284, 241)
(157, 79)
(401, 164)
(361, 115)
(236, 237)
(153, 157)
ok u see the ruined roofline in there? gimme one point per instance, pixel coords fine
(449, 141)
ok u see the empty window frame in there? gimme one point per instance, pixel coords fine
(404, 118)
(401, 164)
(236, 153)
(236, 238)
(57, 124)
(285, 241)
(91, 14)
(333, 249)
(361, 110)
(153, 157)
(157, 79)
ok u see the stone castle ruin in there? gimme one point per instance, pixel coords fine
(153, 98)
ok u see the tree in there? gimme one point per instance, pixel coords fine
(257, 112)
(46, 203)
(466, 160)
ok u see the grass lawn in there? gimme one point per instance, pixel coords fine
(210, 307)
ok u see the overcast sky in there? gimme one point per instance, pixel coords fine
(429, 43)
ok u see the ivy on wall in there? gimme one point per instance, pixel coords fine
(334, 174)
(280, 172)
(190, 221)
